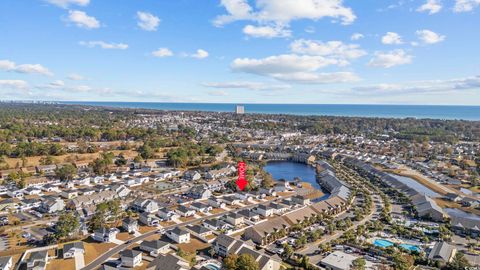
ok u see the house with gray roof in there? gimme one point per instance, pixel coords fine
(443, 252)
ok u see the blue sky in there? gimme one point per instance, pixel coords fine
(249, 51)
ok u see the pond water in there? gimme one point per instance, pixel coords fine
(288, 170)
(459, 213)
(416, 185)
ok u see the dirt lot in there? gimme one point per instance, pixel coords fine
(193, 246)
(94, 249)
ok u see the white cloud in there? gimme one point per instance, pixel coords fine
(67, 3)
(466, 5)
(266, 31)
(433, 86)
(431, 6)
(200, 54)
(57, 83)
(281, 13)
(162, 52)
(255, 86)
(310, 29)
(217, 93)
(357, 36)
(82, 20)
(391, 38)
(104, 45)
(390, 59)
(334, 49)
(147, 21)
(293, 68)
(429, 37)
(13, 84)
(75, 77)
(8, 65)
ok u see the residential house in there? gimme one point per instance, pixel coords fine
(105, 235)
(200, 230)
(231, 200)
(15, 193)
(264, 210)
(225, 245)
(38, 260)
(178, 235)
(250, 215)
(216, 224)
(261, 233)
(201, 207)
(185, 211)
(167, 262)
(69, 194)
(149, 219)
(199, 192)
(145, 205)
(70, 250)
(155, 247)
(96, 198)
(6, 263)
(166, 214)
(191, 176)
(130, 225)
(234, 219)
(339, 260)
(442, 252)
(215, 202)
(131, 258)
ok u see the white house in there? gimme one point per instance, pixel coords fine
(145, 205)
(201, 207)
(72, 249)
(149, 219)
(166, 214)
(265, 210)
(179, 235)
(6, 263)
(214, 202)
(105, 235)
(130, 225)
(185, 211)
(155, 247)
(131, 258)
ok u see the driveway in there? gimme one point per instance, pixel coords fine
(79, 261)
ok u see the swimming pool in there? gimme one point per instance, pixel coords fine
(382, 243)
(212, 266)
(410, 247)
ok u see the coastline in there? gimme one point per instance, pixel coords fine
(440, 112)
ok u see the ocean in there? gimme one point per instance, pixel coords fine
(384, 111)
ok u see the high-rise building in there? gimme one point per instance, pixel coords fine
(240, 109)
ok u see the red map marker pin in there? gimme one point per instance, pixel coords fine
(241, 181)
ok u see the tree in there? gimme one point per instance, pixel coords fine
(146, 151)
(247, 262)
(230, 262)
(121, 161)
(267, 180)
(67, 224)
(459, 262)
(66, 172)
(287, 250)
(242, 262)
(359, 264)
(402, 261)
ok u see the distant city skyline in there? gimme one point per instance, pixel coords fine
(240, 51)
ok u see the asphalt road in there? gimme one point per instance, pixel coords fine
(312, 247)
(115, 250)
